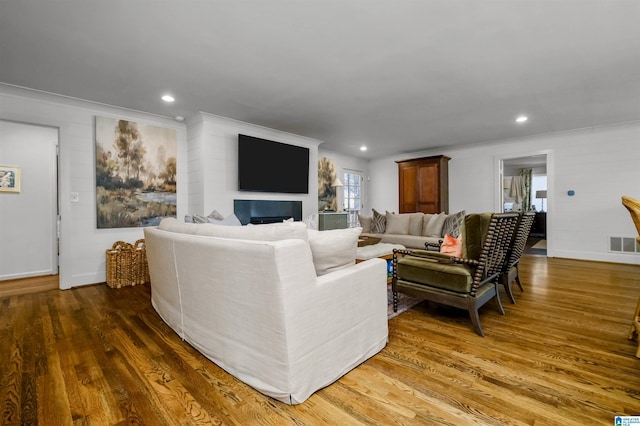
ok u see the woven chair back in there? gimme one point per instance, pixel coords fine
(495, 249)
(525, 223)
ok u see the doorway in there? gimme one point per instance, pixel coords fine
(524, 187)
(352, 201)
(29, 215)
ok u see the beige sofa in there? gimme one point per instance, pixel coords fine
(281, 308)
(412, 230)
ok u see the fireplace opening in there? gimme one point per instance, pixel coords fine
(266, 211)
(268, 219)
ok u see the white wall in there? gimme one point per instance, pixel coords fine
(213, 165)
(599, 164)
(82, 245)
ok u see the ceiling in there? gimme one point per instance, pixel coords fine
(396, 76)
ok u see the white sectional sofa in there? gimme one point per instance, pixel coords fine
(411, 230)
(273, 305)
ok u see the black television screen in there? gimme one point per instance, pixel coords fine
(269, 166)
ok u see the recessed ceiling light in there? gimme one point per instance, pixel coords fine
(168, 98)
(522, 119)
(363, 148)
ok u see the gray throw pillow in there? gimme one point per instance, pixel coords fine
(453, 224)
(378, 223)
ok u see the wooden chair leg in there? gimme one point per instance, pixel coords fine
(498, 301)
(507, 287)
(634, 330)
(475, 319)
(518, 279)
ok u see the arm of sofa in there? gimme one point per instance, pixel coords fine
(337, 324)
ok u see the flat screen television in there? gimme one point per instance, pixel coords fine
(268, 166)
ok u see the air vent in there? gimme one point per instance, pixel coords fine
(624, 245)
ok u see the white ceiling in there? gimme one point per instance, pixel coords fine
(397, 76)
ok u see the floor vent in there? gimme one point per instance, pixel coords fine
(624, 245)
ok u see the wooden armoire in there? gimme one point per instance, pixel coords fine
(424, 184)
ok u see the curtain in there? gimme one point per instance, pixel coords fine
(525, 174)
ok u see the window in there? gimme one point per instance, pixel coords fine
(352, 200)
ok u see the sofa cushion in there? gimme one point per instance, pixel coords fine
(451, 277)
(453, 224)
(435, 225)
(365, 222)
(397, 224)
(333, 249)
(172, 224)
(266, 232)
(415, 223)
(379, 222)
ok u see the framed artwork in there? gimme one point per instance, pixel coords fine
(135, 173)
(9, 178)
(326, 192)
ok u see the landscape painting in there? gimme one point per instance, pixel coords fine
(135, 173)
(326, 193)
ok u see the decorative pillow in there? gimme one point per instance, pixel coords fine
(216, 215)
(365, 222)
(425, 221)
(435, 225)
(333, 249)
(312, 221)
(231, 220)
(397, 224)
(451, 246)
(415, 223)
(453, 224)
(198, 218)
(378, 223)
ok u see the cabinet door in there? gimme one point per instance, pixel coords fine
(408, 191)
(428, 188)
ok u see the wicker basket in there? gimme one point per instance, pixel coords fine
(127, 264)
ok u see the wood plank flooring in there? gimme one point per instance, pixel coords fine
(560, 356)
(28, 285)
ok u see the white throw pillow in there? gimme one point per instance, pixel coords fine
(312, 221)
(231, 220)
(334, 249)
(365, 222)
(397, 224)
(216, 215)
(435, 225)
(415, 223)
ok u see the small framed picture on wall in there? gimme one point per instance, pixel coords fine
(9, 178)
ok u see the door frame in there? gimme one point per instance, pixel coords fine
(550, 204)
(55, 192)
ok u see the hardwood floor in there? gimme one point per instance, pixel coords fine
(28, 285)
(560, 356)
